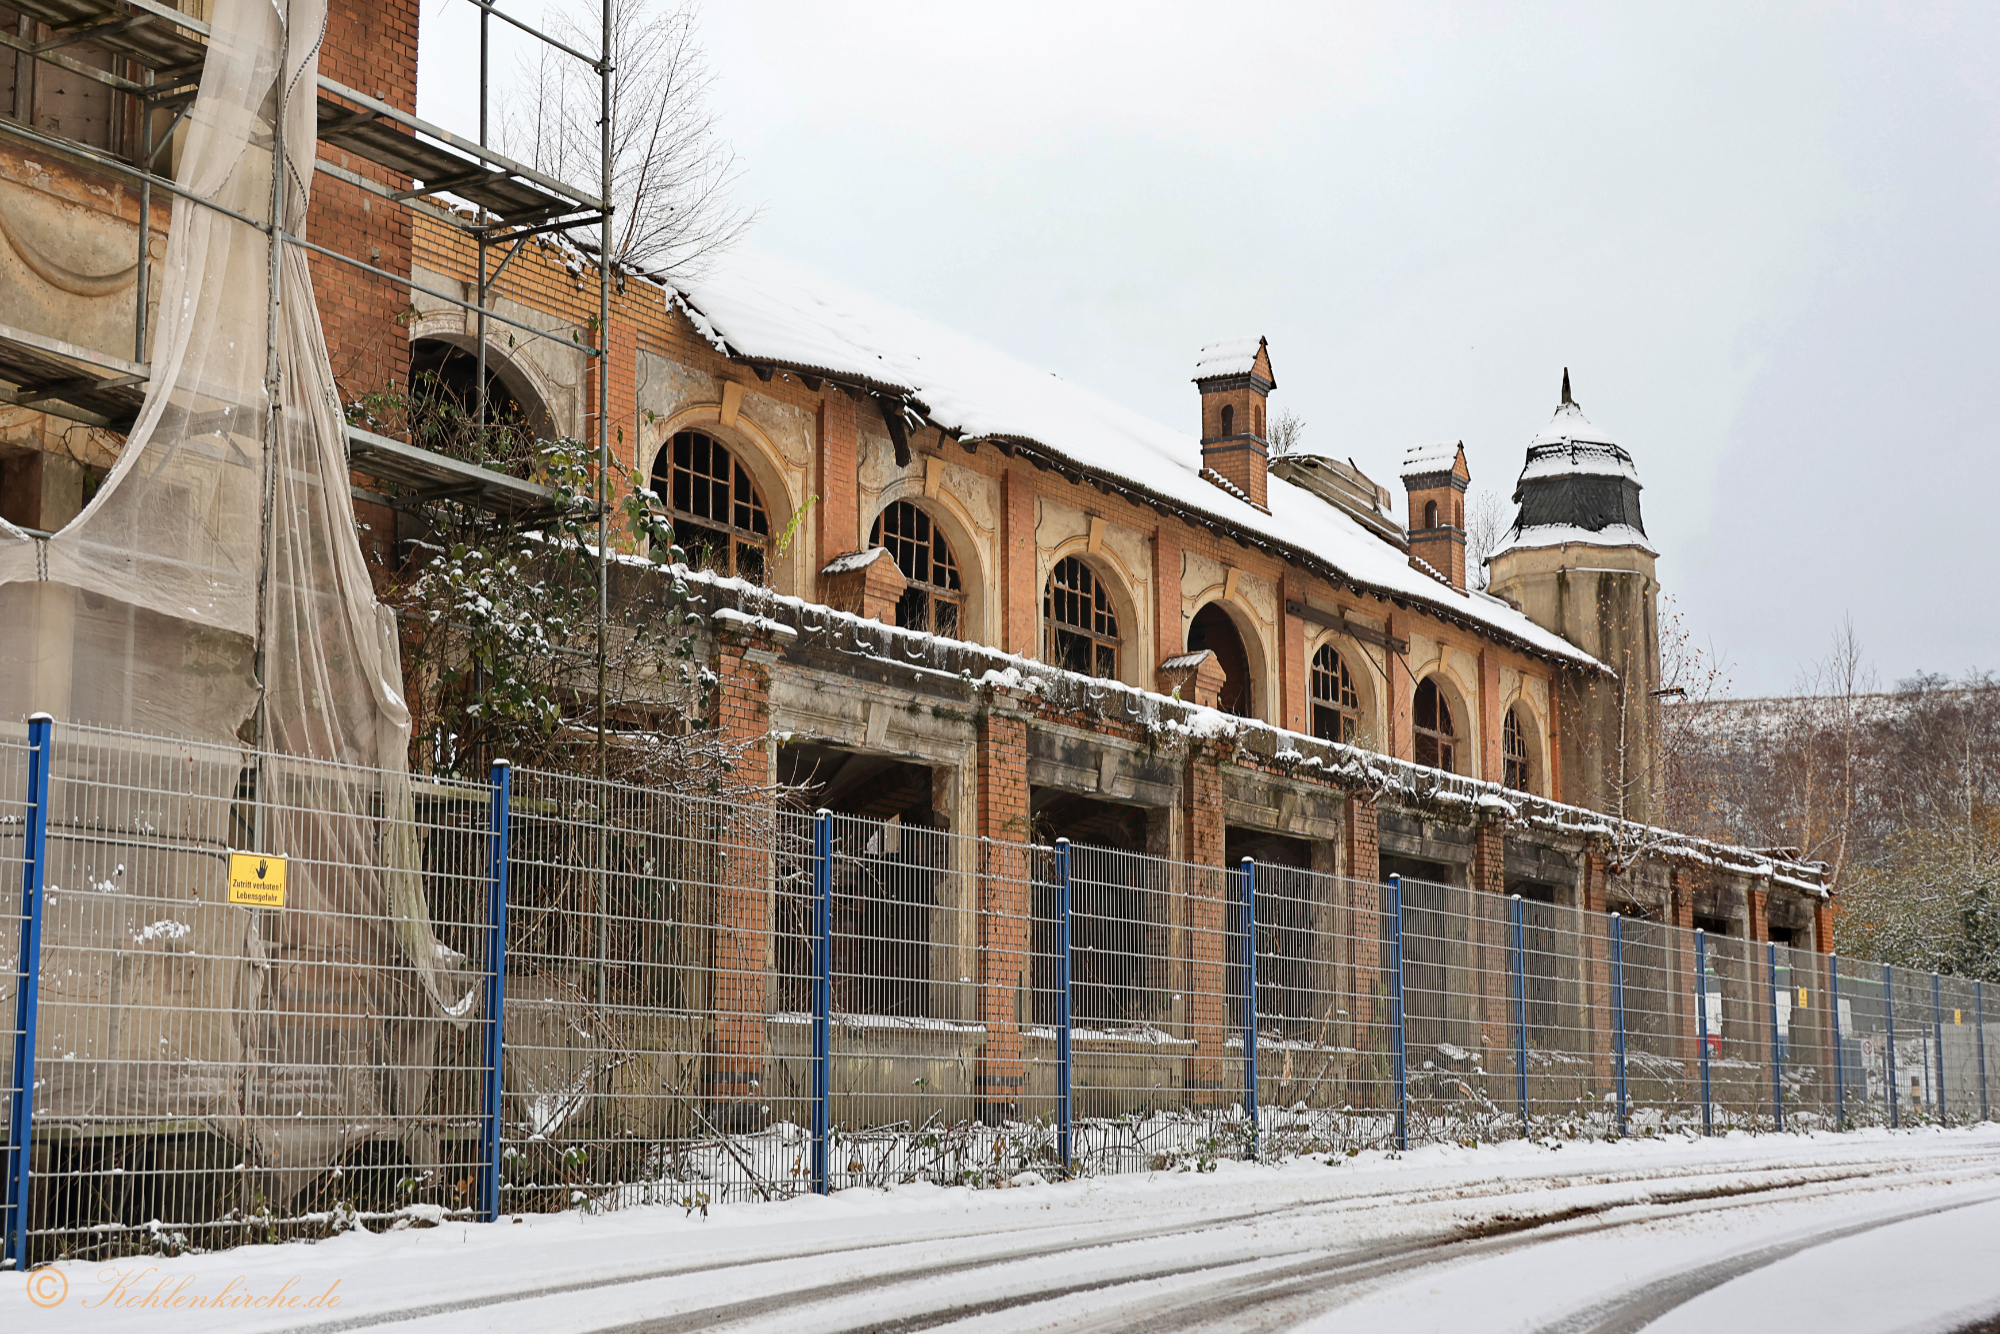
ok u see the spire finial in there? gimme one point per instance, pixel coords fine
(1568, 402)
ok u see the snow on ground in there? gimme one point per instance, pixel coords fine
(1868, 1231)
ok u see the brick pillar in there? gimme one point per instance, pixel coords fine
(1205, 897)
(838, 521)
(1823, 926)
(1167, 641)
(1757, 924)
(1493, 936)
(1292, 670)
(1006, 904)
(1020, 597)
(1492, 765)
(1364, 1029)
(1553, 749)
(744, 959)
(1402, 695)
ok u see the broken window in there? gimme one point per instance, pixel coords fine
(1336, 705)
(1514, 752)
(934, 601)
(1082, 628)
(718, 517)
(1436, 738)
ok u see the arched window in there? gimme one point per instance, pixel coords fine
(1436, 737)
(1082, 628)
(1228, 420)
(1514, 752)
(719, 519)
(1257, 420)
(934, 600)
(1430, 514)
(1336, 706)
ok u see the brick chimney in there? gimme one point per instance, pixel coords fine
(1436, 478)
(865, 583)
(1235, 379)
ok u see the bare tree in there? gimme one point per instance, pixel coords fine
(1286, 432)
(1486, 523)
(671, 173)
(1693, 681)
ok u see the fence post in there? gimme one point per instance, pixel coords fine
(1618, 1017)
(21, 1100)
(1979, 1036)
(1520, 971)
(1250, 1000)
(496, 987)
(822, 993)
(1400, 1051)
(1701, 1034)
(1889, 1043)
(1839, 1043)
(1777, 1045)
(1064, 980)
(1937, 1043)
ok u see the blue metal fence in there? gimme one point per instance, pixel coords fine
(673, 999)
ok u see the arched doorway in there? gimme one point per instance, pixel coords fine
(1212, 629)
(443, 407)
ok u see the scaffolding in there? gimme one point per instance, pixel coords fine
(156, 56)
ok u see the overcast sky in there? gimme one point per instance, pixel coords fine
(1764, 239)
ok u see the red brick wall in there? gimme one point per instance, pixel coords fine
(743, 953)
(1019, 592)
(1206, 898)
(370, 47)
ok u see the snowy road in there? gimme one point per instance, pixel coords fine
(1865, 1232)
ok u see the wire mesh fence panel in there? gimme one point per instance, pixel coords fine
(1958, 1049)
(237, 1048)
(1324, 1065)
(1915, 1042)
(1662, 1056)
(14, 817)
(911, 1078)
(1457, 1015)
(658, 997)
(1861, 1014)
(1567, 985)
(1805, 1037)
(1737, 982)
(1156, 979)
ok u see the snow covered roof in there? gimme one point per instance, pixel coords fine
(1232, 356)
(1570, 425)
(1542, 535)
(1431, 458)
(759, 308)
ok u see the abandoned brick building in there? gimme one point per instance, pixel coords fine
(1155, 637)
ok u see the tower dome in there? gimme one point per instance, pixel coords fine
(1578, 486)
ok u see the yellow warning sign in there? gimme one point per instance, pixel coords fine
(256, 880)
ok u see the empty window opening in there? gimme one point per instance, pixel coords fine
(1212, 629)
(934, 601)
(1228, 420)
(1119, 901)
(1082, 628)
(890, 862)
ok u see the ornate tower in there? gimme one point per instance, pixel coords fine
(1578, 563)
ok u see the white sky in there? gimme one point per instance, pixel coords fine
(1765, 239)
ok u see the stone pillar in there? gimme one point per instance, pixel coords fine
(745, 649)
(1205, 887)
(1006, 904)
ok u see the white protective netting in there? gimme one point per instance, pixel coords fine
(144, 614)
